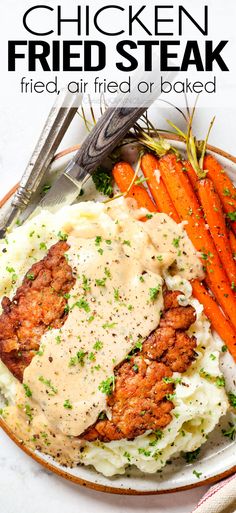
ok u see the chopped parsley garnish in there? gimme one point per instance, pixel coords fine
(116, 294)
(67, 404)
(41, 350)
(160, 258)
(191, 456)
(197, 474)
(212, 357)
(224, 349)
(48, 384)
(230, 432)
(101, 282)
(58, 339)
(172, 380)
(103, 181)
(153, 292)
(10, 269)
(232, 216)
(62, 236)
(83, 304)
(220, 381)
(232, 399)
(127, 455)
(13, 274)
(149, 216)
(226, 192)
(78, 358)
(98, 240)
(144, 451)
(158, 434)
(108, 242)
(107, 272)
(98, 345)
(139, 345)
(170, 397)
(100, 251)
(46, 187)
(108, 325)
(86, 283)
(175, 242)
(102, 415)
(42, 245)
(135, 368)
(91, 356)
(28, 392)
(107, 386)
(30, 276)
(28, 412)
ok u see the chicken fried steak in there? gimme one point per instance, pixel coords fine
(37, 305)
(141, 398)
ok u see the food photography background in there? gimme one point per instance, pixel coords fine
(24, 485)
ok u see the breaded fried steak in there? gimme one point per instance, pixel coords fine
(37, 305)
(141, 397)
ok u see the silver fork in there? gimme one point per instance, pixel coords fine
(55, 127)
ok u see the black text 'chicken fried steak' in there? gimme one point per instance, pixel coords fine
(140, 400)
(39, 303)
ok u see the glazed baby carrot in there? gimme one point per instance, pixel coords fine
(124, 174)
(188, 208)
(215, 315)
(151, 171)
(224, 187)
(212, 209)
(232, 240)
(215, 219)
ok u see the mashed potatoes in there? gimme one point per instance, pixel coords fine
(199, 398)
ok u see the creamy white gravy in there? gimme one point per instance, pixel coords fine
(115, 303)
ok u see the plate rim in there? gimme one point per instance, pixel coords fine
(81, 481)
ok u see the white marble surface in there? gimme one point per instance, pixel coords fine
(24, 484)
(27, 487)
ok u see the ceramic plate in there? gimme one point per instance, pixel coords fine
(218, 456)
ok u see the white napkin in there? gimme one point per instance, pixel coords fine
(221, 498)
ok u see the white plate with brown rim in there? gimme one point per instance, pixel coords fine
(217, 458)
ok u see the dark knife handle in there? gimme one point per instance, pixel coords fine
(108, 131)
